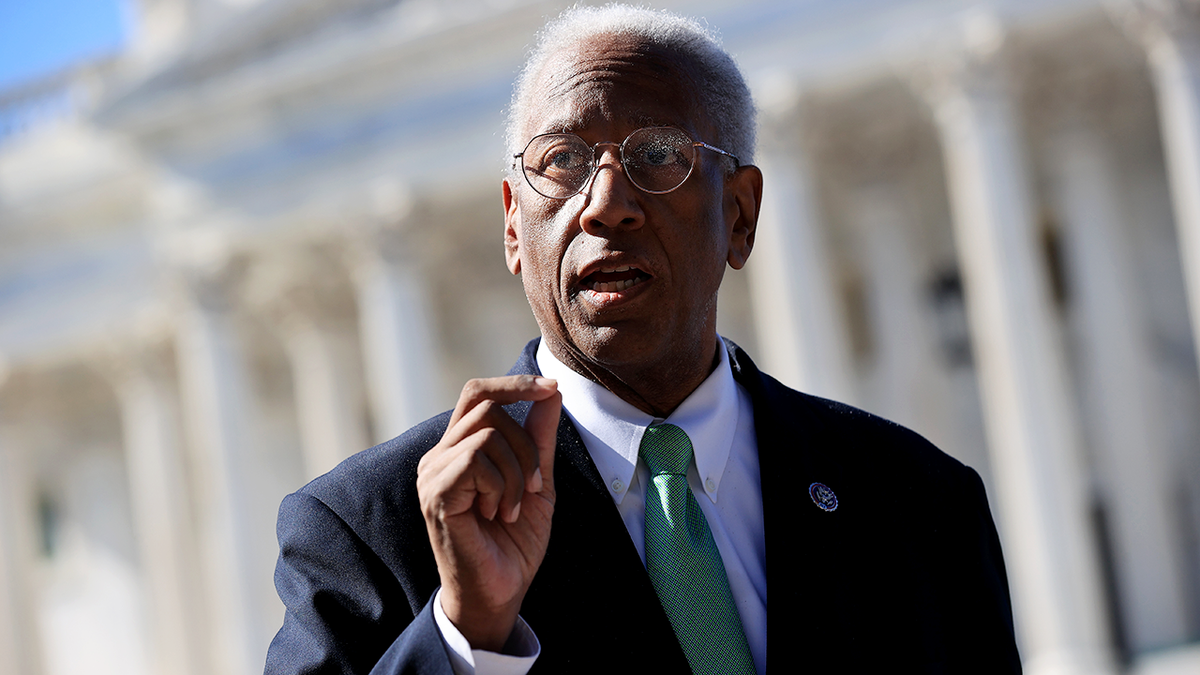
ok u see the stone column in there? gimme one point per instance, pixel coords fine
(1170, 32)
(902, 355)
(215, 395)
(801, 332)
(1030, 416)
(329, 401)
(904, 380)
(311, 303)
(401, 359)
(162, 519)
(19, 641)
(1115, 361)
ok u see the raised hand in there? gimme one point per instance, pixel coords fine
(487, 493)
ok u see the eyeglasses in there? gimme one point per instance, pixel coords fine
(656, 159)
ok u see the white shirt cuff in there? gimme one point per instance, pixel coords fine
(523, 646)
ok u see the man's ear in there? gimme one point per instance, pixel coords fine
(743, 197)
(512, 229)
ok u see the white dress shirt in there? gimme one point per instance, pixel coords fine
(719, 420)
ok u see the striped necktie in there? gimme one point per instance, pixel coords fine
(684, 563)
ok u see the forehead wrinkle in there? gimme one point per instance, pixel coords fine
(608, 71)
(561, 125)
(602, 76)
(567, 124)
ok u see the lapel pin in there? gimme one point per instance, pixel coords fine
(822, 496)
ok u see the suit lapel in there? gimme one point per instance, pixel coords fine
(591, 600)
(805, 583)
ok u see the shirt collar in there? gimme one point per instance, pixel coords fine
(612, 428)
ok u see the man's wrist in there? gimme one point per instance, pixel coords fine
(486, 630)
(520, 651)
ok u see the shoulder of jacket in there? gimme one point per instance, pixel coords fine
(870, 443)
(378, 476)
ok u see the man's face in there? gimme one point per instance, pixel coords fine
(619, 278)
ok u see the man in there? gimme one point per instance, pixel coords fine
(687, 513)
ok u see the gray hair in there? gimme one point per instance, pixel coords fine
(724, 95)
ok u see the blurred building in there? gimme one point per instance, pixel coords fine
(269, 234)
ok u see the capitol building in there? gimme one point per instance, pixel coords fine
(267, 234)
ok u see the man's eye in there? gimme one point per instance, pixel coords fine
(561, 159)
(658, 154)
(565, 159)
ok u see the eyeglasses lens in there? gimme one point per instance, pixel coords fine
(557, 165)
(656, 159)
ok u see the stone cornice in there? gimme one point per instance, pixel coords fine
(407, 52)
(1153, 21)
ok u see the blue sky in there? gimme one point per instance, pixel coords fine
(41, 36)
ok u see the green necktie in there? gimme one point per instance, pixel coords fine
(684, 563)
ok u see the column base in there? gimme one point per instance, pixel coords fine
(1182, 660)
(1069, 662)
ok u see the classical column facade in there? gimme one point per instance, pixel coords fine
(902, 353)
(1031, 423)
(400, 356)
(1115, 361)
(162, 520)
(903, 378)
(19, 641)
(1170, 32)
(329, 402)
(214, 386)
(801, 333)
(318, 333)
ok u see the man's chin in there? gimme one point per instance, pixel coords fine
(617, 347)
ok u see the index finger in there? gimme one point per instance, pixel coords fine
(502, 390)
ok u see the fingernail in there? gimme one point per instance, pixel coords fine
(535, 483)
(545, 381)
(515, 513)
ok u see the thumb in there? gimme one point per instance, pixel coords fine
(542, 425)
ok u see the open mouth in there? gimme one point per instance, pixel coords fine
(613, 279)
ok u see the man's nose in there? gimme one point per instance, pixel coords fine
(612, 200)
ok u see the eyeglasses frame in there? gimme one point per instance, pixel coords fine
(520, 157)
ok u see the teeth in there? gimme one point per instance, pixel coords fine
(610, 270)
(613, 286)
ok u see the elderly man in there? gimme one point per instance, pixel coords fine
(687, 513)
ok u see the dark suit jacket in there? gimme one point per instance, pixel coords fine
(907, 571)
